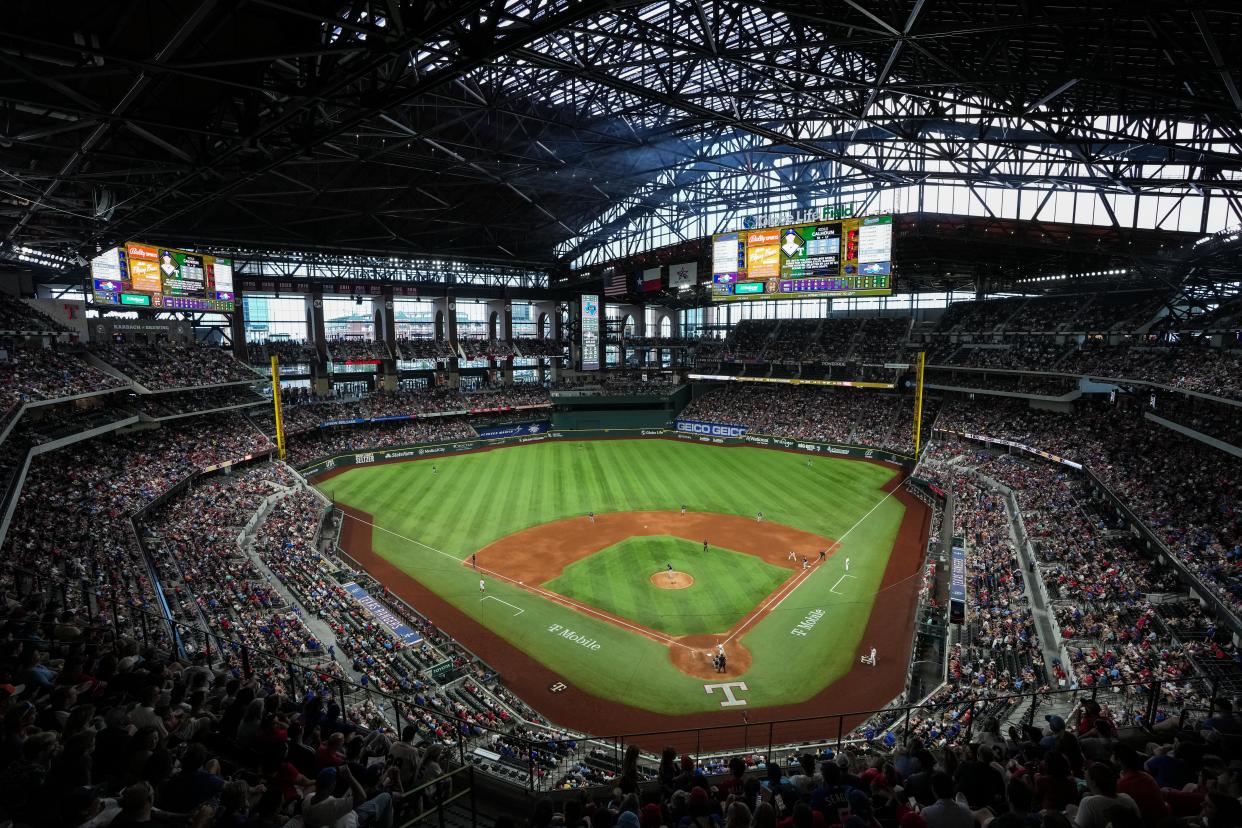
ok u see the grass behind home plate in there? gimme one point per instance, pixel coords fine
(428, 523)
(727, 584)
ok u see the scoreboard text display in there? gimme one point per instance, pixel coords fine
(590, 332)
(146, 276)
(850, 257)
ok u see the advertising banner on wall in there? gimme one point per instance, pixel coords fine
(695, 431)
(512, 430)
(957, 582)
(710, 429)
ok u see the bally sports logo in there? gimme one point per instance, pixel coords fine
(710, 429)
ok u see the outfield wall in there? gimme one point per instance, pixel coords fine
(355, 458)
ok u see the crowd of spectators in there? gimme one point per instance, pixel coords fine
(37, 373)
(475, 349)
(1189, 365)
(18, 317)
(881, 339)
(1121, 616)
(615, 383)
(288, 351)
(1047, 386)
(71, 521)
(1215, 419)
(1185, 490)
(530, 346)
(180, 403)
(412, 349)
(317, 443)
(657, 341)
(168, 365)
(303, 412)
(1092, 313)
(357, 350)
(833, 415)
(1072, 770)
(1029, 353)
(791, 341)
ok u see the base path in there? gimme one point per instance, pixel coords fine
(541, 553)
(834, 710)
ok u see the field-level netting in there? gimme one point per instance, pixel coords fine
(426, 519)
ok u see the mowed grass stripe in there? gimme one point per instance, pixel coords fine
(618, 580)
(479, 498)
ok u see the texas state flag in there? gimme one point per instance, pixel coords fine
(650, 280)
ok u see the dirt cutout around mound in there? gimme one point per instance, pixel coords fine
(672, 580)
(539, 554)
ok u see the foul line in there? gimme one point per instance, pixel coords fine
(833, 588)
(780, 598)
(781, 594)
(506, 603)
(543, 593)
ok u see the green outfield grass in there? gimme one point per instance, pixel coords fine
(427, 523)
(727, 584)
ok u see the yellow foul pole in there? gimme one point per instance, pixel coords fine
(280, 419)
(918, 402)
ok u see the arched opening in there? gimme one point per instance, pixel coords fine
(666, 326)
(628, 326)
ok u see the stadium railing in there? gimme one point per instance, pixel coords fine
(1150, 538)
(1132, 704)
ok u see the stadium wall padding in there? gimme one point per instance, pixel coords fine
(415, 451)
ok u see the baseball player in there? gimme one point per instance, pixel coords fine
(669, 570)
(805, 563)
(793, 556)
(847, 564)
(823, 555)
(705, 546)
(683, 508)
(434, 469)
(591, 516)
(482, 587)
(474, 560)
(872, 658)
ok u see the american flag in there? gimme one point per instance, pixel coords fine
(614, 282)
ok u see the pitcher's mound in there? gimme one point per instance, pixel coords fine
(672, 580)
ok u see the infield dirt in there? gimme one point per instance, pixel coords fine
(541, 553)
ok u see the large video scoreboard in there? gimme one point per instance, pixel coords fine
(849, 257)
(146, 276)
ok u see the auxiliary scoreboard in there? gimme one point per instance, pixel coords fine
(849, 257)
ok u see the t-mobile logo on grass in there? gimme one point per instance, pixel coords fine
(566, 632)
(727, 689)
(807, 624)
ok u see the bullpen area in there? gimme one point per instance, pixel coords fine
(605, 578)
